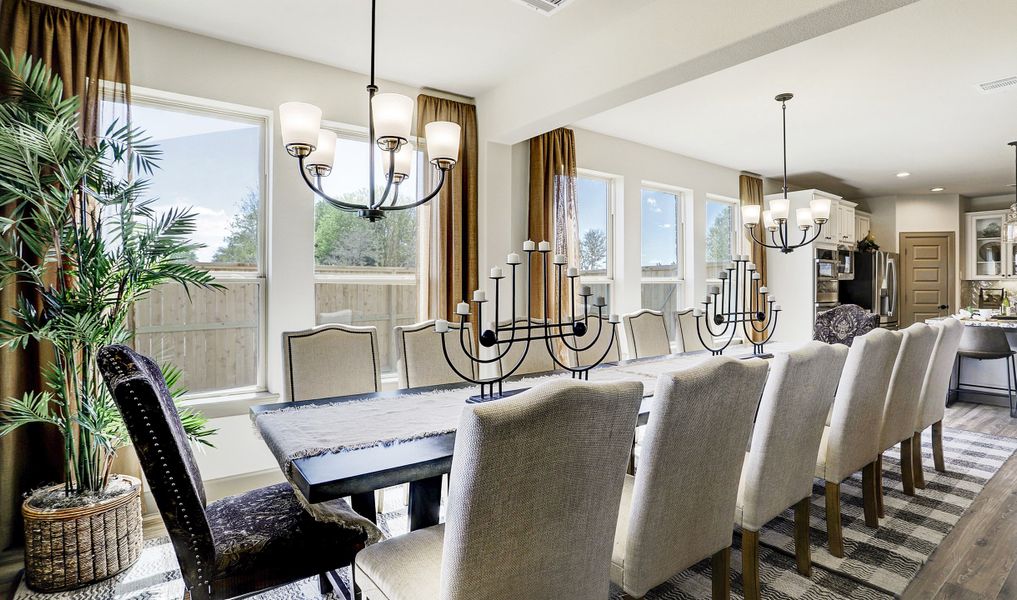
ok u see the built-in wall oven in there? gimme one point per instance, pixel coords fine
(827, 280)
(845, 263)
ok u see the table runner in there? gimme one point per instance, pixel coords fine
(299, 431)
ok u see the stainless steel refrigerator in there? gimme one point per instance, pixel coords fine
(875, 286)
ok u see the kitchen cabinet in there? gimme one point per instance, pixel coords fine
(986, 255)
(863, 224)
(845, 223)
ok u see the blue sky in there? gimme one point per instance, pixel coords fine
(659, 228)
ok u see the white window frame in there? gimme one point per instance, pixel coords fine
(206, 107)
(612, 189)
(683, 195)
(739, 240)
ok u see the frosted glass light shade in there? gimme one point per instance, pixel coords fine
(804, 216)
(820, 209)
(779, 208)
(442, 140)
(393, 115)
(768, 221)
(403, 160)
(750, 214)
(300, 123)
(324, 151)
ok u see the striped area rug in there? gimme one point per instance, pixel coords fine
(878, 564)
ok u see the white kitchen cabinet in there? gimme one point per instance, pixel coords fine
(863, 225)
(846, 223)
(986, 255)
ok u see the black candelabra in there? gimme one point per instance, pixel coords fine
(739, 302)
(573, 331)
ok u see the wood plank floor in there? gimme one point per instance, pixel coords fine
(977, 559)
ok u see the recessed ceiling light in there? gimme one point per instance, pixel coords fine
(903, 174)
(936, 189)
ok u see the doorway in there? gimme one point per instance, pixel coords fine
(927, 275)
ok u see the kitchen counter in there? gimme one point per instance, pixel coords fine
(1001, 323)
(984, 374)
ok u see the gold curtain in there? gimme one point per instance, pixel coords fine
(90, 54)
(750, 190)
(450, 220)
(552, 208)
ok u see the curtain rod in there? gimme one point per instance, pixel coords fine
(750, 174)
(430, 91)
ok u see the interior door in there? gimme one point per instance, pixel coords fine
(927, 276)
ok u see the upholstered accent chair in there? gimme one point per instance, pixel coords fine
(604, 347)
(841, 325)
(688, 335)
(537, 359)
(677, 509)
(646, 334)
(935, 388)
(232, 547)
(330, 360)
(779, 466)
(903, 401)
(851, 438)
(422, 360)
(532, 505)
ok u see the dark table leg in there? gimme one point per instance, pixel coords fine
(425, 502)
(364, 505)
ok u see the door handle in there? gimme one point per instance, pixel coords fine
(943, 306)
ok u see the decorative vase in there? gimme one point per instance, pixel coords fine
(68, 546)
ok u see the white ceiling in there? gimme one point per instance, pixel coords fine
(892, 93)
(420, 43)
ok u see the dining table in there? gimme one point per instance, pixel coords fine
(321, 473)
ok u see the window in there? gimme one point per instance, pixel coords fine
(595, 213)
(721, 234)
(661, 253)
(366, 273)
(213, 161)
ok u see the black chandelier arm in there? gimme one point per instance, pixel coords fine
(752, 235)
(441, 182)
(316, 188)
(395, 195)
(388, 180)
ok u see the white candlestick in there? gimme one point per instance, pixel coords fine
(529, 245)
(479, 296)
(751, 266)
(441, 326)
(776, 307)
(513, 259)
(714, 289)
(707, 300)
(559, 259)
(756, 275)
(762, 290)
(599, 301)
(746, 257)
(584, 290)
(495, 272)
(614, 319)
(722, 275)
(572, 272)
(462, 308)
(696, 312)
(544, 246)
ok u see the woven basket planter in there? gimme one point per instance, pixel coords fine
(67, 548)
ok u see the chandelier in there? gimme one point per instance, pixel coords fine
(1010, 220)
(776, 219)
(389, 120)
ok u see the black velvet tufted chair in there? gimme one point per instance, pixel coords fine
(841, 325)
(235, 546)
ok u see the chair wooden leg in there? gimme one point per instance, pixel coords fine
(750, 564)
(833, 530)
(907, 467)
(880, 509)
(803, 554)
(720, 566)
(916, 455)
(937, 446)
(869, 495)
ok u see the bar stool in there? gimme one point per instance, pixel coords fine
(988, 343)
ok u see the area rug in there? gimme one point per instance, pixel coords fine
(878, 564)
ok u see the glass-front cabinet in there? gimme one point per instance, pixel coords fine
(988, 257)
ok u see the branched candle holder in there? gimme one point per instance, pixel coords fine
(565, 328)
(739, 299)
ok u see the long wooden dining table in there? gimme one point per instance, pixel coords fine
(422, 462)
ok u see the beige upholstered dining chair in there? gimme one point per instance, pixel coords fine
(646, 334)
(851, 439)
(537, 359)
(532, 506)
(903, 399)
(604, 347)
(421, 360)
(934, 392)
(779, 465)
(330, 360)
(688, 335)
(677, 509)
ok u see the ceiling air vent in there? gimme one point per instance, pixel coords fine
(548, 7)
(990, 87)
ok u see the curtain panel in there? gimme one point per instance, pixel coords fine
(750, 191)
(90, 54)
(552, 206)
(448, 265)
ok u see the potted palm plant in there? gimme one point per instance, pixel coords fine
(82, 243)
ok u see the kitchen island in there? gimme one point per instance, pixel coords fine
(993, 373)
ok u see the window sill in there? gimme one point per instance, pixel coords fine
(229, 405)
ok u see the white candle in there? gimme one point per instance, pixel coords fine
(762, 290)
(751, 266)
(559, 259)
(770, 298)
(495, 272)
(696, 312)
(776, 307)
(528, 245)
(513, 259)
(714, 289)
(572, 272)
(746, 257)
(756, 276)
(722, 275)
(544, 246)
(462, 308)
(479, 296)
(707, 300)
(584, 290)
(441, 326)
(614, 319)
(729, 265)
(599, 301)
